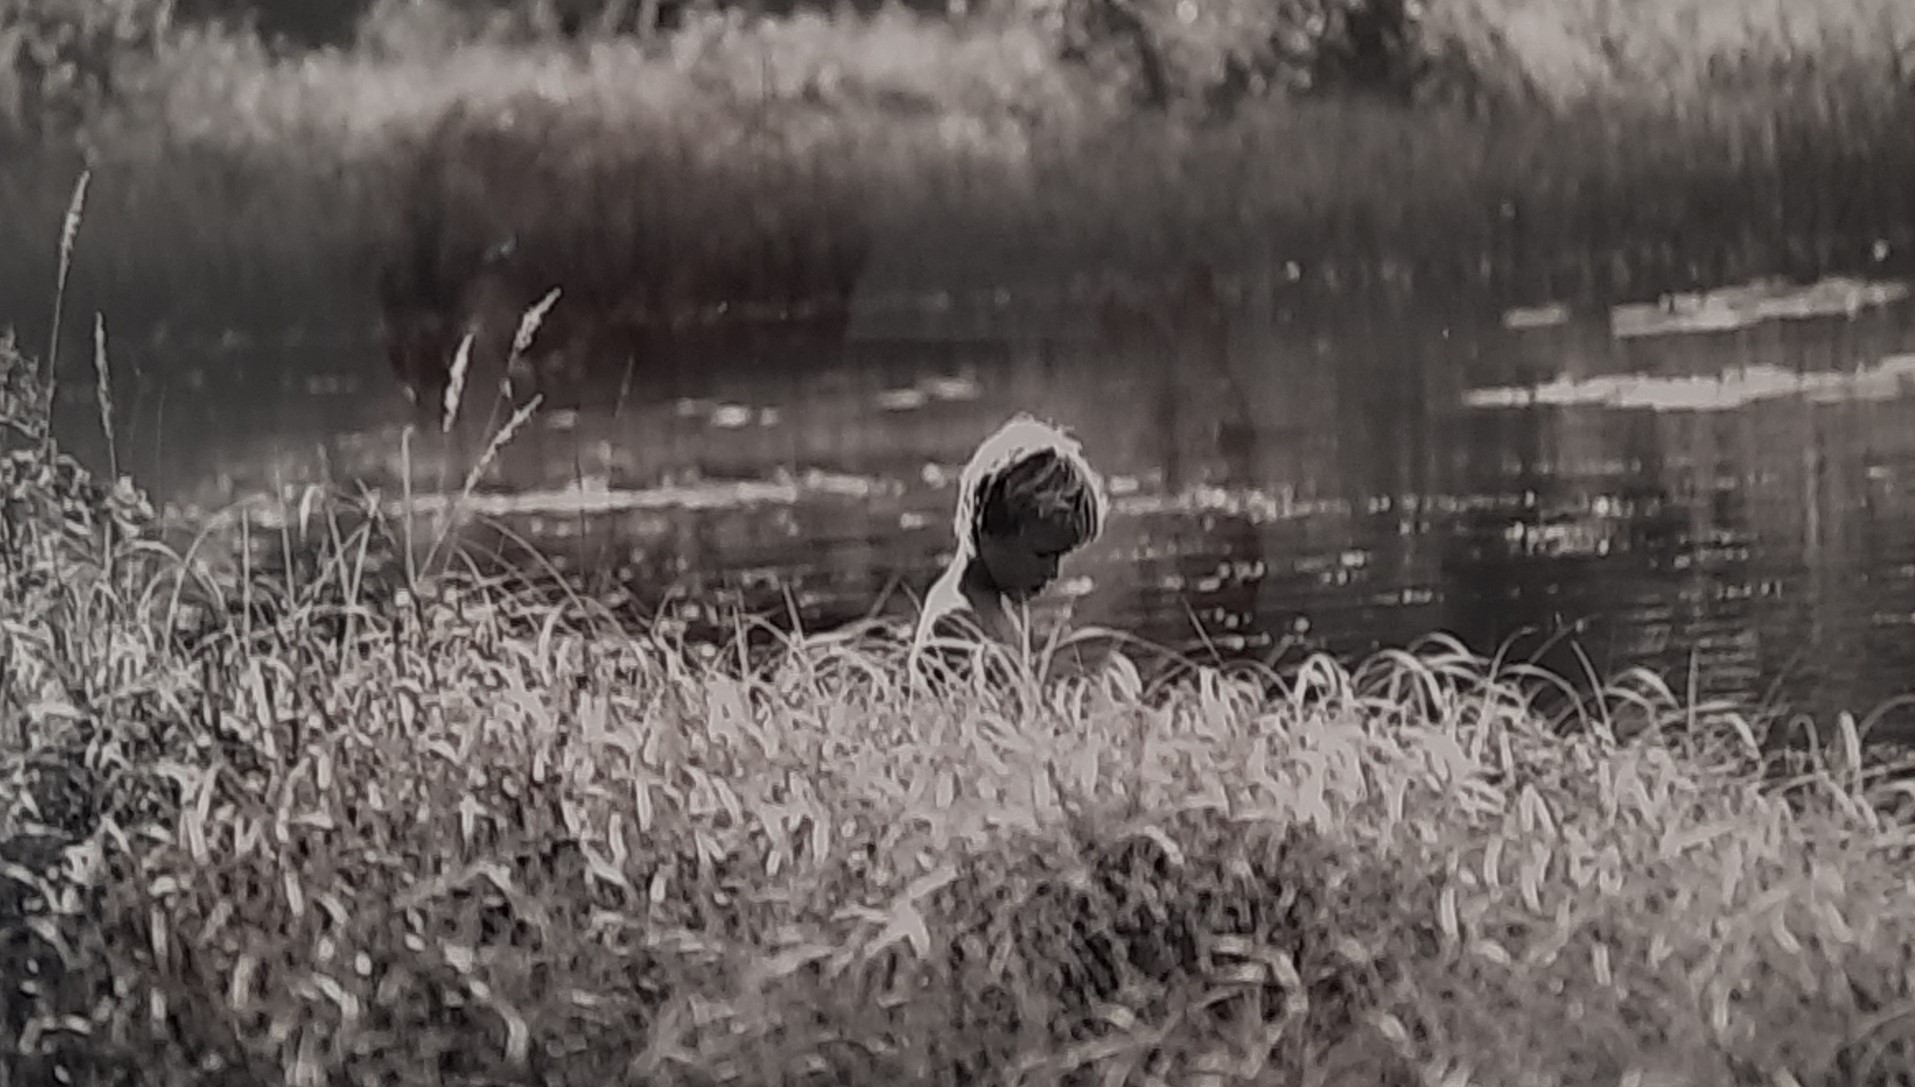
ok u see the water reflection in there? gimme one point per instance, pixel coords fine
(1734, 502)
(1199, 431)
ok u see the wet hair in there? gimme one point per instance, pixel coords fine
(1028, 470)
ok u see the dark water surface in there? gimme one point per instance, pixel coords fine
(1733, 492)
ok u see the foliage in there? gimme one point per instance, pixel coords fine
(1565, 51)
(61, 60)
(64, 59)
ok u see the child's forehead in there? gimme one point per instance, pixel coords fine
(1051, 534)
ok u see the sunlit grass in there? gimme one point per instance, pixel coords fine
(342, 821)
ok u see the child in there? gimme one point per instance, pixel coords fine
(1026, 499)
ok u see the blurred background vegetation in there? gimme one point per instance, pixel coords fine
(252, 157)
(62, 61)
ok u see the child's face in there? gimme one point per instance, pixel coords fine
(1021, 563)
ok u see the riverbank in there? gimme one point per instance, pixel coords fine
(451, 832)
(240, 187)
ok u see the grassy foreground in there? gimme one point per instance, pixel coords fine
(446, 834)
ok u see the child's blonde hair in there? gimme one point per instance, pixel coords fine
(1028, 465)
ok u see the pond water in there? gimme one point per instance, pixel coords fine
(1723, 482)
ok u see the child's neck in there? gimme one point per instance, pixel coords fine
(996, 613)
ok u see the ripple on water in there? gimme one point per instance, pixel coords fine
(1892, 378)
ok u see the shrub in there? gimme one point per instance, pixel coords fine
(60, 60)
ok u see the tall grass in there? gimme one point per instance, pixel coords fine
(450, 831)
